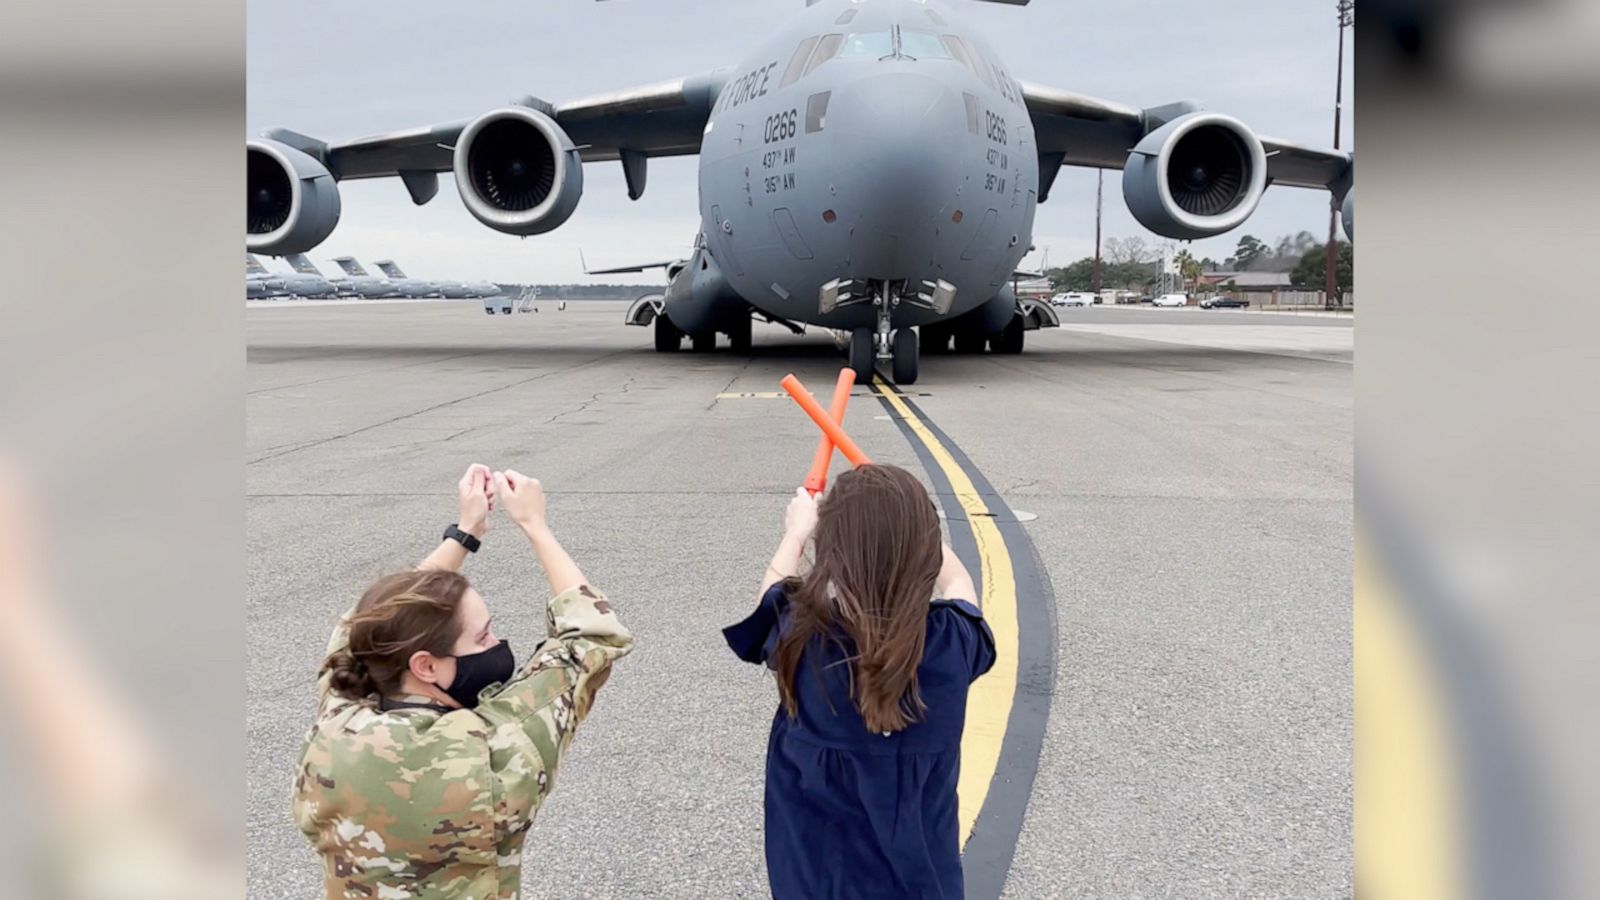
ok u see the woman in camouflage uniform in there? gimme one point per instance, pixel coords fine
(431, 753)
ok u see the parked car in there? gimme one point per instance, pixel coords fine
(1073, 298)
(1172, 300)
(1223, 301)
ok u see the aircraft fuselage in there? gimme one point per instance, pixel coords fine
(904, 156)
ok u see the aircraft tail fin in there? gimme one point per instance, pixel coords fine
(350, 266)
(388, 268)
(300, 264)
(253, 266)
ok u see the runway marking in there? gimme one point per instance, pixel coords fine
(1404, 805)
(1449, 801)
(1003, 732)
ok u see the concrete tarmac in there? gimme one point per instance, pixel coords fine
(1190, 472)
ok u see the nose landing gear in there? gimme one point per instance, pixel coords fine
(905, 356)
(898, 346)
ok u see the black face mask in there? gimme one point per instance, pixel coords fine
(476, 671)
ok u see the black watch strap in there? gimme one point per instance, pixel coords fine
(454, 533)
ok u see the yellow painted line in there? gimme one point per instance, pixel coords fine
(1407, 843)
(989, 701)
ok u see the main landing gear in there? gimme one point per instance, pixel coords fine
(968, 340)
(669, 337)
(739, 334)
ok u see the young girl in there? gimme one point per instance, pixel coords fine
(865, 747)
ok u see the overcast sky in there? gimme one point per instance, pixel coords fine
(356, 67)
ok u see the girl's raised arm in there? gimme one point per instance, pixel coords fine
(954, 582)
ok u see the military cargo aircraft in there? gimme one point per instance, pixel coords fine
(455, 290)
(356, 281)
(261, 283)
(872, 167)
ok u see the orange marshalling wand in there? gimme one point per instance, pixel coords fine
(829, 427)
(817, 478)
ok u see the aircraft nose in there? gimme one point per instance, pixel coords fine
(898, 139)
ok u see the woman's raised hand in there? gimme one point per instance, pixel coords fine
(475, 496)
(522, 497)
(800, 519)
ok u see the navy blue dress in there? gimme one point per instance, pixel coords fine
(852, 813)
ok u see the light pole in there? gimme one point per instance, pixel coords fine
(1347, 15)
(1098, 193)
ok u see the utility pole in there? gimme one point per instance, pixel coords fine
(1347, 14)
(1099, 190)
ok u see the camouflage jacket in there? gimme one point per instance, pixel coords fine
(414, 803)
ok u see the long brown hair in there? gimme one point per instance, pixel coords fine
(399, 615)
(878, 552)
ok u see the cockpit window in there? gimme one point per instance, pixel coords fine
(953, 44)
(873, 45)
(797, 64)
(920, 45)
(827, 48)
(976, 60)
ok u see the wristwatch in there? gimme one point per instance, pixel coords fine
(454, 533)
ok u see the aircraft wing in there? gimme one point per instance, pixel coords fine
(1078, 130)
(640, 267)
(665, 119)
(667, 264)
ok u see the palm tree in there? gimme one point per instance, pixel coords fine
(1188, 269)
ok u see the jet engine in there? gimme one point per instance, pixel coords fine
(291, 199)
(517, 171)
(1199, 175)
(1349, 212)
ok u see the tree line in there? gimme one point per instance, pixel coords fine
(1134, 264)
(586, 291)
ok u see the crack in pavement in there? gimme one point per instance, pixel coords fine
(731, 381)
(626, 387)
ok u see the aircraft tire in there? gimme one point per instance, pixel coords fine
(668, 338)
(905, 356)
(739, 335)
(1010, 340)
(862, 354)
(704, 342)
